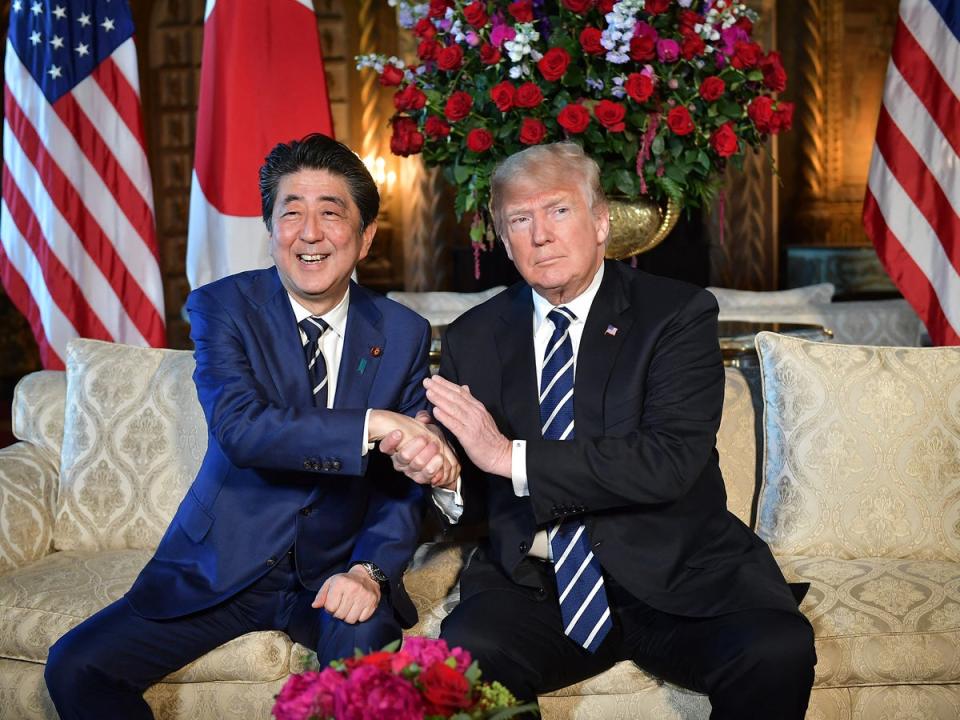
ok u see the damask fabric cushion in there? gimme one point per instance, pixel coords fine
(442, 308)
(729, 299)
(737, 439)
(28, 490)
(134, 437)
(38, 402)
(862, 450)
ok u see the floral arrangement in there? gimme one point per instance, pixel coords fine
(426, 680)
(661, 93)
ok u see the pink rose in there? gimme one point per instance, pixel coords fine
(668, 50)
(308, 693)
(372, 693)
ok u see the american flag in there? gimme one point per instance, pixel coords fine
(912, 205)
(254, 53)
(79, 252)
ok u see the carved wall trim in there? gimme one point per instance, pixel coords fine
(811, 99)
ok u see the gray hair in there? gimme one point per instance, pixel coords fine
(547, 162)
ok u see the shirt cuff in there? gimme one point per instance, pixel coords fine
(366, 446)
(450, 502)
(518, 469)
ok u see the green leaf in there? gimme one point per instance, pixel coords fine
(677, 171)
(472, 673)
(460, 174)
(573, 78)
(512, 712)
(730, 108)
(656, 147)
(627, 182)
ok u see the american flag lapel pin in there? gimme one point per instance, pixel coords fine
(611, 330)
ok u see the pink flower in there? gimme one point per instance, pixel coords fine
(501, 34)
(426, 651)
(645, 30)
(730, 37)
(463, 658)
(371, 694)
(306, 694)
(668, 50)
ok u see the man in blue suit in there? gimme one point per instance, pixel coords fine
(291, 523)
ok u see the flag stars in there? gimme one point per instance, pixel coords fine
(54, 72)
(56, 42)
(60, 12)
(35, 38)
(84, 20)
(82, 49)
(36, 8)
(17, 6)
(107, 25)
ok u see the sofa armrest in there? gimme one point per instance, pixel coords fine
(28, 490)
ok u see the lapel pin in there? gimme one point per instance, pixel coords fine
(376, 351)
(611, 330)
(362, 365)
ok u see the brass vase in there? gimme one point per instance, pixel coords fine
(637, 226)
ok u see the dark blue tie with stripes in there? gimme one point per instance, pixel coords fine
(314, 327)
(583, 599)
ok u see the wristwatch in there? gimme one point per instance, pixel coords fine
(376, 574)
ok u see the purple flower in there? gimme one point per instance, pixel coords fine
(668, 50)
(644, 29)
(730, 37)
(371, 694)
(472, 38)
(501, 34)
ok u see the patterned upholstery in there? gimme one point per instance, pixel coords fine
(729, 299)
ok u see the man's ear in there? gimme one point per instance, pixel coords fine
(601, 221)
(366, 239)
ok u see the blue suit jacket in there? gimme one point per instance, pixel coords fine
(279, 472)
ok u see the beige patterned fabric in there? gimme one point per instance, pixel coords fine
(28, 489)
(38, 402)
(729, 299)
(134, 437)
(862, 450)
(737, 439)
(442, 308)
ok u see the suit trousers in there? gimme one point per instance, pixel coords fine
(102, 667)
(754, 663)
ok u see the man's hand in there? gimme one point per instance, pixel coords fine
(351, 596)
(417, 448)
(467, 418)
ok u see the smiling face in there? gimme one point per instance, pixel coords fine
(551, 233)
(316, 240)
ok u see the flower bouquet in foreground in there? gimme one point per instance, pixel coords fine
(661, 93)
(425, 680)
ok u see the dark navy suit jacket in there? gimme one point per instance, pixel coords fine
(280, 473)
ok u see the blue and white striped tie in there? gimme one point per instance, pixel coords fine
(314, 327)
(583, 599)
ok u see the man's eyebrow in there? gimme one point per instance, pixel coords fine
(335, 199)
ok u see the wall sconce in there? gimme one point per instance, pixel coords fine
(384, 178)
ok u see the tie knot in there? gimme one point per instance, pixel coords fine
(561, 318)
(313, 327)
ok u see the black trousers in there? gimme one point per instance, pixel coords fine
(100, 669)
(752, 664)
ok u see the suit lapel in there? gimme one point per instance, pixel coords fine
(604, 332)
(519, 371)
(360, 360)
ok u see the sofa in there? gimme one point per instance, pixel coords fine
(847, 456)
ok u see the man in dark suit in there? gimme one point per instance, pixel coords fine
(587, 400)
(290, 523)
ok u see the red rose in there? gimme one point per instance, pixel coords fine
(425, 29)
(639, 87)
(655, 7)
(478, 140)
(522, 10)
(578, 6)
(724, 140)
(680, 121)
(574, 118)
(450, 57)
(554, 63)
(489, 55)
(590, 41)
(745, 55)
(687, 20)
(774, 76)
(381, 660)
(503, 95)
(444, 689)
(427, 49)
(476, 14)
(605, 6)
(692, 46)
(528, 95)
(610, 114)
(458, 106)
(438, 8)
(642, 47)
(410, 98)
(782, 118)
(712, 88)
(745, 24)
(391, 75)
(532, 131)
(406, 139)
(436, 127)
(760, 111)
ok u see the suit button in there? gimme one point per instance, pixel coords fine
(327, 466)
(271, 561)
(306, 512)
(523, 546)
(541, 593)
(307, 465)
(336, 465)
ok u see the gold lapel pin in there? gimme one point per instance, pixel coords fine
(376, 351)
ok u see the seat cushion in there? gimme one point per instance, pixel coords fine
(881, 620)
(729, 299)
(42, 601)
(862, 450)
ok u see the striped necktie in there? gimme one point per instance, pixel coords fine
(583, 599)
(314, 327)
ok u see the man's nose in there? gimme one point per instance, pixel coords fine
(310, 232)
(541, 233)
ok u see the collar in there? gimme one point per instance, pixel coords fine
(579, 306)
(336, 318)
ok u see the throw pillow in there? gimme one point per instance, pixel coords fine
(729, 299)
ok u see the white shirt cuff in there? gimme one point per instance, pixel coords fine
(518, 469)
(366, 446)
(450, 502)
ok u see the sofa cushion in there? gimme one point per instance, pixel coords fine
(862, 450)
(737, 439)
(37, 410)
(42, 601)
(442, 308)
(880, 621)
(134, 437)
(729, 299)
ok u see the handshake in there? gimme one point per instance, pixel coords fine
(419, 449)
